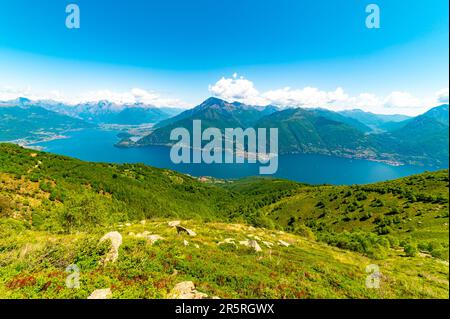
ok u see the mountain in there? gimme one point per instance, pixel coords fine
(23, 121)
(316, 131)
(254, 238)
(105, 112)
(133, 116)
(421, 140)
(300, 130)
(213, 113)
(342, 118)
(376, 122)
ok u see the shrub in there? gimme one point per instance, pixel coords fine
(304, 231)
(410, 250)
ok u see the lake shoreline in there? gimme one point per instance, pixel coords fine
(98, 145)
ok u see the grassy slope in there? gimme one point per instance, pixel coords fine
(53, 210)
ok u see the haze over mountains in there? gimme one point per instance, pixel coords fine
(396, 139)
(101, 112)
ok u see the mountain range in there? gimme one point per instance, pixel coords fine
(24, 122)
(422, 140)
(396, 139)
(102, 112)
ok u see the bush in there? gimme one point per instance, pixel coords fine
(410, 250)
(304, 231)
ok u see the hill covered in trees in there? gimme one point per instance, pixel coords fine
(314, 241)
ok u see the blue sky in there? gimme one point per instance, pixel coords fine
(177, 51)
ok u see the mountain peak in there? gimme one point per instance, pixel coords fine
(213, 101)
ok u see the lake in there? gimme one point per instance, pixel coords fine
(97, 145)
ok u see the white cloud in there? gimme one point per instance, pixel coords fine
(244, 90)
(367, 101)
(236, 89)
(306, 97)
(399, 99)
(135, 95)
(442, 96)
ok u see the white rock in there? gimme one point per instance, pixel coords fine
(174, 223)
(186, 290)
(227, 241)
(116, 241)
(268, 244)
(283, 243)
(252, 244)
(185, 242)
(154, 238)
(101, 294)
(181, 229)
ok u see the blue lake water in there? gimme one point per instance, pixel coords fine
(98, 146)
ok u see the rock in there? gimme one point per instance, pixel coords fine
(185, 242)
(174, 223)
(254, 237)
(227, 241)
(101, 294)
(116, 241)
(252, 244)
(181, 229)
(143, 234)
(283, 243)
(143, 222)
(186, 290)
(154, 238)
(268, 244)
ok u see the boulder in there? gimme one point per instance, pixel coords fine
(116, 241)
(252, 244)
(174, 223)
(268, 244)
(154, 238)
(283, 243)
(227, 241)
(186, 290)
(181, 229)
(101, 294)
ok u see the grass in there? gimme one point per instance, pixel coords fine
(54, 210)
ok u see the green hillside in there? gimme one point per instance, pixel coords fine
(34, 123)
(315, 131)
(315, 241)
